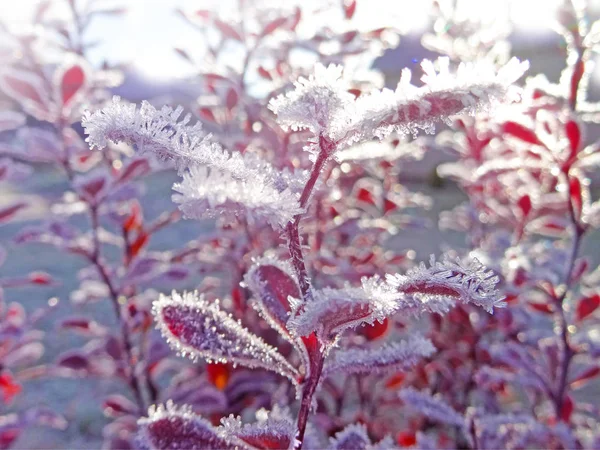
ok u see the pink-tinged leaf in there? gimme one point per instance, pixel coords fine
(272, 430)
(135, 168)
(92, 187)
(273, 25)
(8, 212)
(9, 120)
(206, 114)
(231, 100)
(272, 282)
(521, 132)
(177, 428)
(228, 30)
(24, 356)
(83, 325)
(586, 306)
(28, 89)
(74, 360)
(576, 195)
(390, 357)
(71, 79)
(264, 73)
(584, 377)
(349, 8)
(573, 133)
(41, 278)
(200, 329)
(181, 52)
(117, 405)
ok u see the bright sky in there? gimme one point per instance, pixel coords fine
(146, 34)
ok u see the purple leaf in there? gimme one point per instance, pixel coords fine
(199, 329)
(171, 427)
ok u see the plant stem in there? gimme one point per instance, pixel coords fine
(114, 296)
(293, 228)
(308, 393)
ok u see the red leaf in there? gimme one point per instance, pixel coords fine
(228, 30)
(567, 408)
(524, 204)
(375, 331)
(138, 244)
(218, 374)
(349, 8)
(587, 306)
(136, 168)
(395, 381)
(542, 307)
(519, 131)
(406, 439)
(23, 86)
(365, 195)
(40, 278)
(135, 219)
(232, 99)
(9, 387)
(8, 212)
(72, 81)
(575, 192)
(74, 360)
(584, 377)
(574, 136)
(273, 25)
(264, 73)
(206, 114)
(117, 405)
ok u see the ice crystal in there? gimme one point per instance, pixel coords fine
(205, 192)
(391, 356)
(200, 329)
(332, 311)
(272, 430)
(432, 407)
(178, 428)
(448, 280)
(272, 282)
(322, 105)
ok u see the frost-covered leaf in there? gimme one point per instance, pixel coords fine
(200, 329)
(355, 437)
(272, 430)
(446, 281)
(432, 407)
(323, 105)
(205, 192)
(391, 356)
(320, 103)
(9, 120)
(177, 428)
(272, 282)
(162, 133)
(332, 311)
